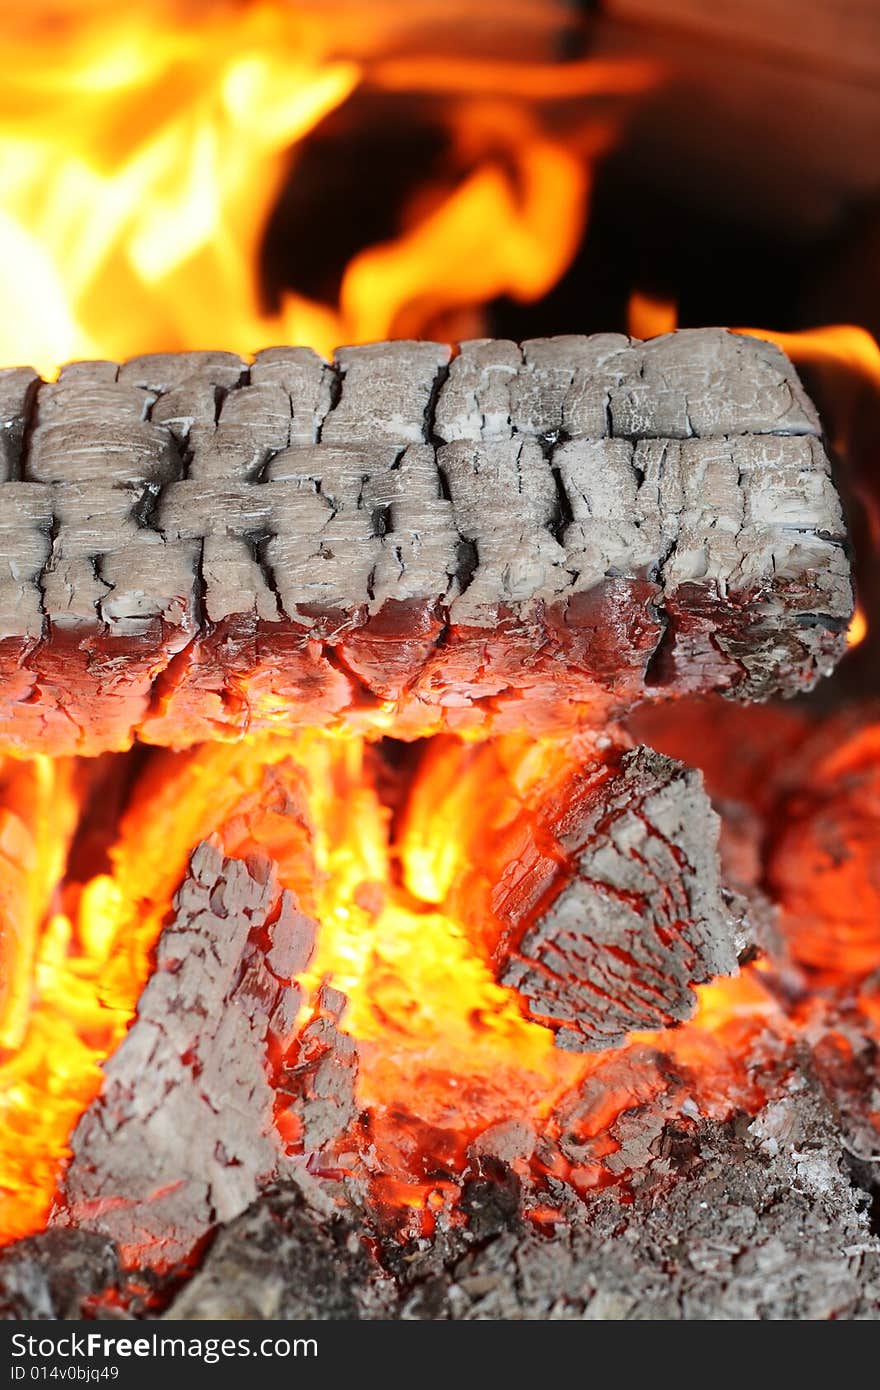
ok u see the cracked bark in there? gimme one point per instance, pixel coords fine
(183, 1134)
(516, 538)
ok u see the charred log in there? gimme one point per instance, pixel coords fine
(516, 538)
(285, 1259)
(604, 906)
(183, 1134)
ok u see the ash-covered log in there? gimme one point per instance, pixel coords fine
(184, 1134)
(604, 906)
(510, 537)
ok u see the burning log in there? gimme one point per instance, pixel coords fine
(316, 1102)
(514, 538)
(604, 907)
(183, 1134)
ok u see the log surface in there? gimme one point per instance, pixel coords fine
(605, 906)
(512, 536)
(183, 1133)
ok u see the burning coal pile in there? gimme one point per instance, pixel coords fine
(439, 785)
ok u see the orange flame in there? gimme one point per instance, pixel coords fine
(858, 628)
(82, 951)
(141, 154)
(650, 315)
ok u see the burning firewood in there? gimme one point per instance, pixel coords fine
(598, 901)
(183, 1133)
(514, 538)
(603, 906)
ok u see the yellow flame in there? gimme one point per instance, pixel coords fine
(439, 1040)
(858, 628)
(139, 158)
(141, 153)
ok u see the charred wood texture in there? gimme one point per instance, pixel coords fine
(184, 1134)
(753, 1222)
(56, 1274)
(758, 1219)
(513, 537)
(604, 906)
(286, 1258)
(800, 800)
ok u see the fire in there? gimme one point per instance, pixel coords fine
(842, 364)
(649, 315)
(142, 152)
(441, 1045)
(847, 350)
(141, 156)
(437, 1037)
(37, 820)
(858, 628)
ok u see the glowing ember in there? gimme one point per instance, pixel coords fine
(824, 868)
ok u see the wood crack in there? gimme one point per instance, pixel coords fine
(469, 537)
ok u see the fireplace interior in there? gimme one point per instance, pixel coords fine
(440, 785)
